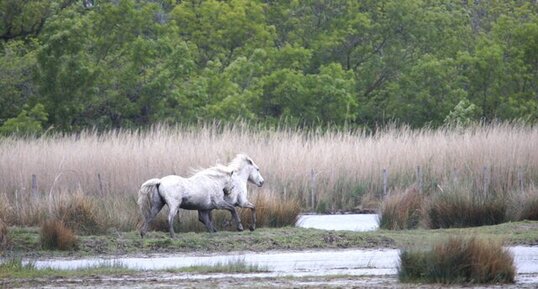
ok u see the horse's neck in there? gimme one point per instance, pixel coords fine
(240, 180)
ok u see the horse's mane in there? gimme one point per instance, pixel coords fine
(239, 162)
(219, 170)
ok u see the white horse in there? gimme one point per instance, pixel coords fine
(219, 187)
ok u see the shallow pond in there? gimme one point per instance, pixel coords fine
(349, 222)
(355, 262)
(376, 262)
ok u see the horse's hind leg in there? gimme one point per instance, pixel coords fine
(210, 214)
(204, 216)
(156, 206)
(171, 215)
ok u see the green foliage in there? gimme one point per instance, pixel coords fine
(28, 122)
(464, 114)
(132, 63)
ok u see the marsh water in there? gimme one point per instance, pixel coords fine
(352, 262)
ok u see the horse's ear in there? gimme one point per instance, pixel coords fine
(249, 161)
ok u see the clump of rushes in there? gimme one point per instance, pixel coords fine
(529, 208)
(458, 208)
(55, 235)
(401, 210)
(3, 235)
(458, 260)
(80, 215)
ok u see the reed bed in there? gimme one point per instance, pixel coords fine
(321, 170)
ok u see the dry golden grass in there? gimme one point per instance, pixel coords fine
(322, 170)
(55, 235)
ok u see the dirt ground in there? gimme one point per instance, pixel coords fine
(152, 279)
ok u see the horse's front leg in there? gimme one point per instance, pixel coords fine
(252, 208)
(235, 216)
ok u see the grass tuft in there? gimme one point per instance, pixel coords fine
(232, 266)
(458, 260)
(401, 211)
(80, 214)
(55, 235)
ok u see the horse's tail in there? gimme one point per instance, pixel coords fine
(148, 190)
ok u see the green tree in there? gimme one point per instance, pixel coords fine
(223, 30)
(17, 62)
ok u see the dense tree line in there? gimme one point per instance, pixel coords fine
(73, 64)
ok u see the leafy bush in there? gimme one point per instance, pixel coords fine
(458, 260)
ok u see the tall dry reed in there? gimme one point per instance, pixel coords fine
(321, 169)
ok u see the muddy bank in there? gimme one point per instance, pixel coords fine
(152, 279)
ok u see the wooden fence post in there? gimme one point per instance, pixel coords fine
(486, 179)
(34, 185)
(385, 177)
(520, 179)
(419, 179)
(100, 184)
(313, 189)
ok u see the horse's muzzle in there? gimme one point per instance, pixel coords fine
(260, 183)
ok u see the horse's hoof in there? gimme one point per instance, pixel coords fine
(240, 228)
(251, 228)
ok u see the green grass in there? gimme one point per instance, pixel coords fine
(232, 266)
(14, 268)
(25, 241)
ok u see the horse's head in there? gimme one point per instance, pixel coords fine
(252, 170)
